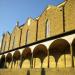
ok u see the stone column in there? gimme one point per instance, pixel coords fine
(48, 59)
(5, 63)
(20, 64)
(64, 58)
(72, 55)
(12, 63)
(32, 61)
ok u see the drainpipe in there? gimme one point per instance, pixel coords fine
(64, 16)
(63, 20)
(37, 31)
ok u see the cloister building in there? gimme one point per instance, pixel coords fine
(47, 41)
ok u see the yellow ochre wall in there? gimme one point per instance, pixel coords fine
(32, 31)
(54, 16)
(15, 38)
(24, 29)
(6, 41)
(69, 11)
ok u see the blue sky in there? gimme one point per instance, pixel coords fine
(13, 10)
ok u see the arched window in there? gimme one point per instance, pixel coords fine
(47, 28)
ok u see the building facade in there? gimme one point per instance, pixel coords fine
(47, 41)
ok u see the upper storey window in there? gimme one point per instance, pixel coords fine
(47, 28)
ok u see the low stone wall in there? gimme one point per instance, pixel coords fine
(67, 71)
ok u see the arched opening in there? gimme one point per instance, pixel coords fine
(39, 54)
(2, 62)
(73, 53)
(9, 60)
(60, 50)
(16, 59)
(26, 58)
(47, 28)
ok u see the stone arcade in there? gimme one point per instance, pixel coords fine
(47, 41)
